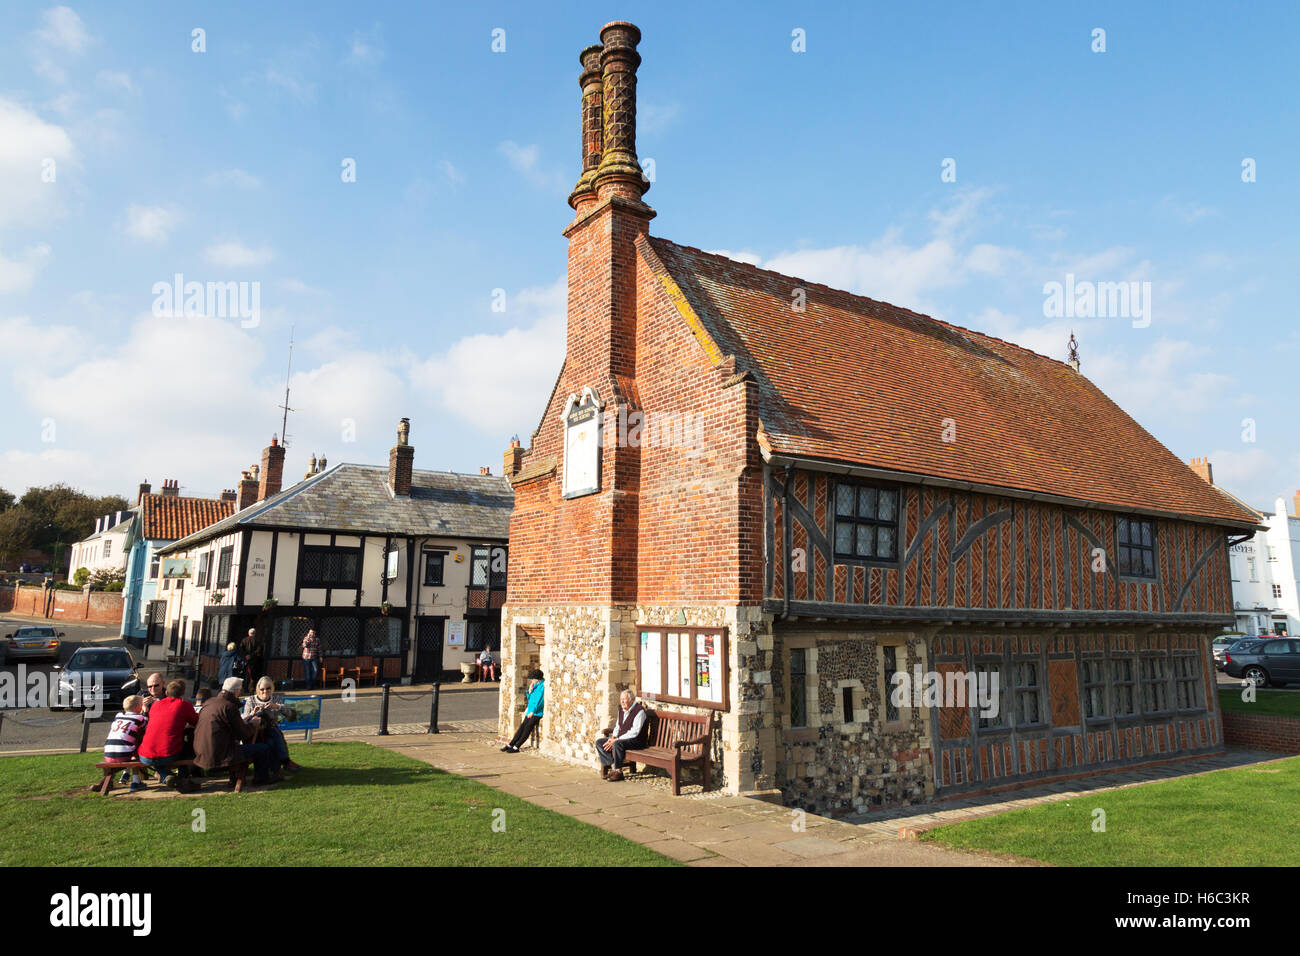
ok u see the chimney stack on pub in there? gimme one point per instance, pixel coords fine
(401, 460)
(514, 459)
(272, 476)
(1202, 467)
(246, 490)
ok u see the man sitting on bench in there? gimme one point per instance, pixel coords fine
(627, 734)
(224, 739)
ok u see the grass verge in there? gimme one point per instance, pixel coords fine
(354, 805)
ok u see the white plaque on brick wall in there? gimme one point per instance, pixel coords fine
(582, 417)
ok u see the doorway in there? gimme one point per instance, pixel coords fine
(428, 649)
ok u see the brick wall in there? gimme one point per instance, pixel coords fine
(100, 607)
(1262, 732)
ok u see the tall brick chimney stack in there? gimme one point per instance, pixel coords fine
(1202, 467)
(144, 489)
(401, 460)
(514, 459)
(619, 173)
(593, 134)
(246, 491)
(272, 475)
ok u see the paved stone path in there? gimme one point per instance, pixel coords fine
(713, 829)
(701, 829)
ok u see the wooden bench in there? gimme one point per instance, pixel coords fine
(674, 740)
(111, 770)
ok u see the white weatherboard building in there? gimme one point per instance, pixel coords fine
(106, 548)
(1265, 589)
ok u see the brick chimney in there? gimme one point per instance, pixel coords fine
(144, 489)
(514, 459)
(247, 491)
(1297, 503)
(401, 459)
(272, 477)
(1202, 467)
(600, 348)
(170, 488)
(227, 494)
(484, 470)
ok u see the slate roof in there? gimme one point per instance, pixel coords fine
(863, 382)
(123, 525)
(168, 517)
(355, 499)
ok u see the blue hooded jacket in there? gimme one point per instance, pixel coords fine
(535, 699)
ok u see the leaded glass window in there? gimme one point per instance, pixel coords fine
(1136, 539)
(866, 522)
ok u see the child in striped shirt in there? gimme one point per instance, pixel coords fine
(124, 737)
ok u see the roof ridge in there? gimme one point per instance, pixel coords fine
(853, 295)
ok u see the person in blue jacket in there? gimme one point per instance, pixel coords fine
(532, 713)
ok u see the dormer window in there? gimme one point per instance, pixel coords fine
(1136, 541)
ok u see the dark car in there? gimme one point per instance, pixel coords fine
(34, 642)
(1273, 661)
(98, 675)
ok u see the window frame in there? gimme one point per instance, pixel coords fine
(1101, 681)
(1124, 542)
(327, 584)
(1157, 685)
(225, 564)
(1001, 723)
(205, 569)
(442, 569)
(663, 630)
(1132, 682)
(857, 520)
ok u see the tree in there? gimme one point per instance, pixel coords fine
(108, 579)
(48, 516)
(17, 534)
(6, 500)
(80, 577)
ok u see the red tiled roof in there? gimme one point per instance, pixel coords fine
(863, 382)
(171, 517)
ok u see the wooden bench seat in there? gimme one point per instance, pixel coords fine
(111, 770)
(674, 740)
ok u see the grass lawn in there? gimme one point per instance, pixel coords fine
(1270, 703)
(354, 805)
(1241, 817)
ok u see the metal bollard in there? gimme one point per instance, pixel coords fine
(433, 709)
(383, 713)
(85, 729)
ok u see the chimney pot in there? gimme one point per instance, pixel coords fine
(619, 172)
(484, 470)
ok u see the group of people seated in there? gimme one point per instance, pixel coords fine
(153, 729)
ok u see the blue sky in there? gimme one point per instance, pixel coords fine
(225, 165)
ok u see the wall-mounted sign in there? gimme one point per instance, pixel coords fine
(257, 569)
(582, 420)
(173, 568)
(456, 634)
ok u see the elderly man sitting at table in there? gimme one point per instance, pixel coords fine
(224, 739)
(271, 707)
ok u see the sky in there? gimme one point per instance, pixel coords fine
(387, 183)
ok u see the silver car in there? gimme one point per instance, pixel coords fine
(36, 642)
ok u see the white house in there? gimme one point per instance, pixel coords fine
(1265, 589)
(106, 548)
(405, 568)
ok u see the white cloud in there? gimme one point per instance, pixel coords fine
(743, 255)
(150, 223)
(28, 147)
(63, 29)
(236, 255)
(524, 361)
(116, 80)
(450, 172)
(297, 86)
(527, 161)
(17, 275)
(366, 49)
(656, 117)
(239, 178)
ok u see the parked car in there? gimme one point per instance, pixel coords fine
(105, 674)
(35, 642)
(1274, 661)
(1226, 643)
